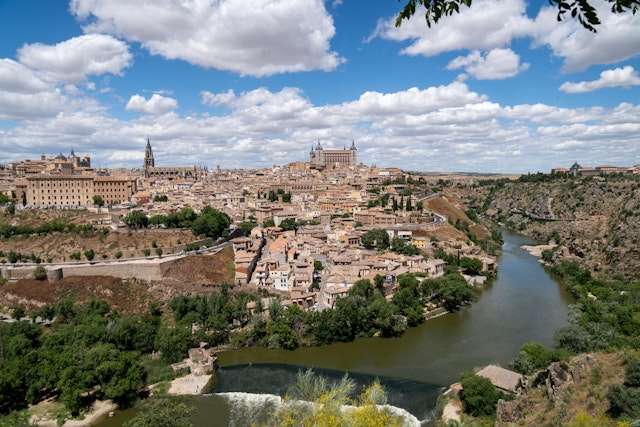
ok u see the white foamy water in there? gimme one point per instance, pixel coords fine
(249, 408)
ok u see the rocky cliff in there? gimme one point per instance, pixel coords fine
(594, 220)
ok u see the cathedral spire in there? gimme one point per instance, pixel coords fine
(149, 162)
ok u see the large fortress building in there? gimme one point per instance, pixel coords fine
(321, 158)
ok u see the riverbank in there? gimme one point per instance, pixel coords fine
(536, 250)
(190, 384)
(44, 414)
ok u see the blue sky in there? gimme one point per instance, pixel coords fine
(502, 87)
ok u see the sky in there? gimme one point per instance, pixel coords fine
(502, 87)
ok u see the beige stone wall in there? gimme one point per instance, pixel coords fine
(150, 270)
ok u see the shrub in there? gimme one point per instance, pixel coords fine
(90, 254)
(478, 395)
(40, 273)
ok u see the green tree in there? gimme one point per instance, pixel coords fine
(268, 223)
(14, 257)
(246, 227)
(403, 246)
(211, 223)
(288, 224)
(98, 201)
(454, 291)
(90, 254)
(472, 266)
(174, 343)
(479, 397)
(136, 219)
(581, 9)
(534, 356)
(378, 239)
(17, 312)
(159, 251)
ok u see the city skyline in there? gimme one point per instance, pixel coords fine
(498, 88)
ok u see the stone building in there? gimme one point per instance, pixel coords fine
(60, 164)
(77, 190)
(169, 173)
(321, 158)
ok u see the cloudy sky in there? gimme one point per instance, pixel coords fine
(502, 87)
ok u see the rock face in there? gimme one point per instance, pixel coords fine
(594, 219)
(557, 379)
(545, 395)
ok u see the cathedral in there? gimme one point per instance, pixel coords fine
(169, 173)
(321, 158)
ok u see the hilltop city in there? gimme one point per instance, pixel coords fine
(330, 199)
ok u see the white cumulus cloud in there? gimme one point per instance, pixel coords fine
(618, 77)
(617, 39)
(73, 60)
(497, 64)
(157, 104)
(486, 25)
(260, 38)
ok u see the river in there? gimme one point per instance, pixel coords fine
(523, 304)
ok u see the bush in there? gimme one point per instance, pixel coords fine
(40, 273)
(478, 395)
(90, 254)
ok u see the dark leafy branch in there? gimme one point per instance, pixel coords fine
(580, 9)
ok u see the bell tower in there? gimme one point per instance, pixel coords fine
(149, 162)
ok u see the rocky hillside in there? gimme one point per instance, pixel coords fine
(594, 220)
(571, 393)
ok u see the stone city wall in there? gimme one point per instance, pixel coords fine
(149, 270)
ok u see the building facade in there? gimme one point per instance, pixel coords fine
(321, 158)
(48, 191)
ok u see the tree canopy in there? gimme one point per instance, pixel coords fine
(580, 9)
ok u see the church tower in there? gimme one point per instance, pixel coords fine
(149, 162)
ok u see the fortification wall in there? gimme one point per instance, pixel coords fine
(149, 270)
